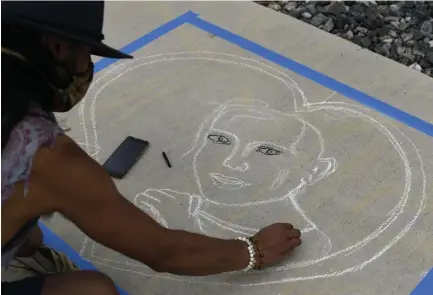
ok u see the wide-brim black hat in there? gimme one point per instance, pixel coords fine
(80, 21)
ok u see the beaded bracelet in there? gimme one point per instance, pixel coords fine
(252, 252)
(261, 255)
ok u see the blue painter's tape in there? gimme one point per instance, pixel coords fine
(315, 76)
(425, 287)
(53, 241)
(146, 39)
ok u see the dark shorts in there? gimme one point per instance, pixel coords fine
(27, 286)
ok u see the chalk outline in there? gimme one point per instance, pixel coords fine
(307, 107)
(182, 19)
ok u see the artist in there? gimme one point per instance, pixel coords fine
(47, 68)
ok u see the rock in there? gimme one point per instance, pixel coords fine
(319, 19)
(393, 34)
(430, 44)
(311, 8)
(349, 35)
(290, 6)
(395, 24)
(416, 67)
(409, 43)
(387, 49)
(329, 25)
(391, 19)
(418, 53)
(400, 4)
(408, 19)
(426, 28)
(398, 42)
(306, 15)
(394, 7)
(429, 57)
(384, 30)
(407, 36)
(417, 35)
(365, 42)
(275, 6)
(336, 8)
(341, 22)
(387, 40)
(403, 26)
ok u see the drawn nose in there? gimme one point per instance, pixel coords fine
(236, 164)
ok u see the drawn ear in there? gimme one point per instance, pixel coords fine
(324, 168)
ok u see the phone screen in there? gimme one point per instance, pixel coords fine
(125, 156)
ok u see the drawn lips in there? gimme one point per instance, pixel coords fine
(221, 180)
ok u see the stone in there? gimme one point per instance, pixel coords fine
(429, 57)
(311, 8)
(409, 43)
(290, 6)
(394, 7)
(387, 40)
(426, 28)
(398, 42)
(306, 15)
(349, 35)
(417, 35)
(387, 49)
(384, 30)
(391, 19)
(418, 53)
(341, 22)
(274, 6)
(408, 19)
(393, 34)
(365, 42)
(403, 26)
(395, 24)
(336, 8)
(416, 67)
(319, 19)
(329, 25)
(430, 43)
(407, 36)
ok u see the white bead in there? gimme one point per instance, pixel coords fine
(251, 252)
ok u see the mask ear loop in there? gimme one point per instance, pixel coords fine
(13, 53)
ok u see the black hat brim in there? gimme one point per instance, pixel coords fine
(97, 47)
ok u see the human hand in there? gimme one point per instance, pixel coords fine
(275, 242)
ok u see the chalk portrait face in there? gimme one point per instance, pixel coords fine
(250, 155)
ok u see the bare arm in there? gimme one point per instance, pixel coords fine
(67, 180)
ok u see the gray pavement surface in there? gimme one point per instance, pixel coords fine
(252, 143)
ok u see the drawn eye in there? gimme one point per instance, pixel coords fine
(268, 151)
(219, 139)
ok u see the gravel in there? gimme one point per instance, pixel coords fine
(399, 30)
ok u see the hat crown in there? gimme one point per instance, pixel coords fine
(83, 17)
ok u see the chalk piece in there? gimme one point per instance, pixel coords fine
(166, 159)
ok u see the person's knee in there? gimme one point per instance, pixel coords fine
(99, 283)
(80, 282)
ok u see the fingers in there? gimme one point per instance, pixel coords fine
(294, 233)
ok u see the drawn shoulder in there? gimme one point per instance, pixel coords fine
(166, 206)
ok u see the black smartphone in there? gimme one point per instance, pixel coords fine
(125, 156)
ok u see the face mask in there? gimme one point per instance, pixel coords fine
(65, 98)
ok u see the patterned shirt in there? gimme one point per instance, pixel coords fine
(24, 141)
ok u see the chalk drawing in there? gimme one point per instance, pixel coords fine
(215, 132)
